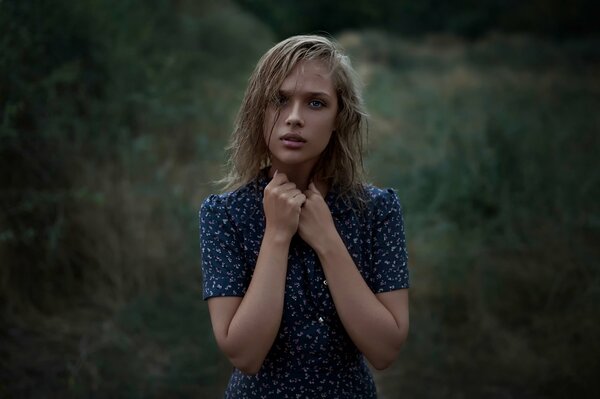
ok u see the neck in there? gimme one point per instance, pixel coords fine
(299, 175)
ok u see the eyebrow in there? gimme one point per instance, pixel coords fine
(308, 93)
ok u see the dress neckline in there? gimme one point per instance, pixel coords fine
(334, 201)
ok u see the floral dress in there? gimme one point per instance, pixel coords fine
(312, 356)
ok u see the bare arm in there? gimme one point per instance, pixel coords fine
(376, 323)
(245, 328)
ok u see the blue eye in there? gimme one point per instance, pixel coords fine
(316, 104)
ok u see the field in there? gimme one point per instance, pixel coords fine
(113, 133)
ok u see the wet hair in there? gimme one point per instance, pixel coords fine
(341, 163)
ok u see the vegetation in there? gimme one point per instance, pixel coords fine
(467, 18)
(115, 114)
(114, 117)
(492, 148)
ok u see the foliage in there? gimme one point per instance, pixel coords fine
(96, 118)
(114, 117)
(114, 114)
(492, 146)
(408, 17)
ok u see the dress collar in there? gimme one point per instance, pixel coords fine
(336, 203)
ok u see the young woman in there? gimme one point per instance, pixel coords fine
(304, 263)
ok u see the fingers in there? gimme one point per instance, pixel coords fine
(280, 187)
(278, 179)
(284, 188)
(298, 200)
(293, 197)
(279, 183)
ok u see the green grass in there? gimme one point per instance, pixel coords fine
(154, 346)
(491, 145)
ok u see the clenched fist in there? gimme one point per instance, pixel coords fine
(282, 203)
(316, 225)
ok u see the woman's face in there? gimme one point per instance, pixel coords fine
(299, 125)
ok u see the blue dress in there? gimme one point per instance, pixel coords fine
(312, 356)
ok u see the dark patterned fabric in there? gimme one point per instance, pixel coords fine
(312, 356)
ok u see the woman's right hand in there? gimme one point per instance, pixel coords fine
(282, 202)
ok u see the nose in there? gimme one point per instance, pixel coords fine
(294, 118)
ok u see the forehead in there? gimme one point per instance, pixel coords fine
(309, 75)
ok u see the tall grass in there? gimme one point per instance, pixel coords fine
(114, 117)
(492, 148)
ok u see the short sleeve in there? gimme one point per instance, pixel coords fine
(224, 270)
(389, 256)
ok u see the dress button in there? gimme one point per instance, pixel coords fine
(320, 319)
(325, 282)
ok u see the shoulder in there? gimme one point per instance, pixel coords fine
(381, 199)
(242, 200)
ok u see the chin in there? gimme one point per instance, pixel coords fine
(293, 160)
(292, 157)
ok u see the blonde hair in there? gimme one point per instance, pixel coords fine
(341, 163)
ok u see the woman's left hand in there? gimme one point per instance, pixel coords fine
(316, 223)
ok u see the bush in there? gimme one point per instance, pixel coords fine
(114, 114)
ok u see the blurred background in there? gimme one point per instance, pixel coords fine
(114, 115)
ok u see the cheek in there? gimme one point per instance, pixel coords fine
(325, 137)
(327, 126)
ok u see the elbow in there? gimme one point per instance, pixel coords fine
(247, 362)
(247, 367)
(385, 359)
(382, 364)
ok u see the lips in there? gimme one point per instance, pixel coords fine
(293, 137)
(292, 141)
